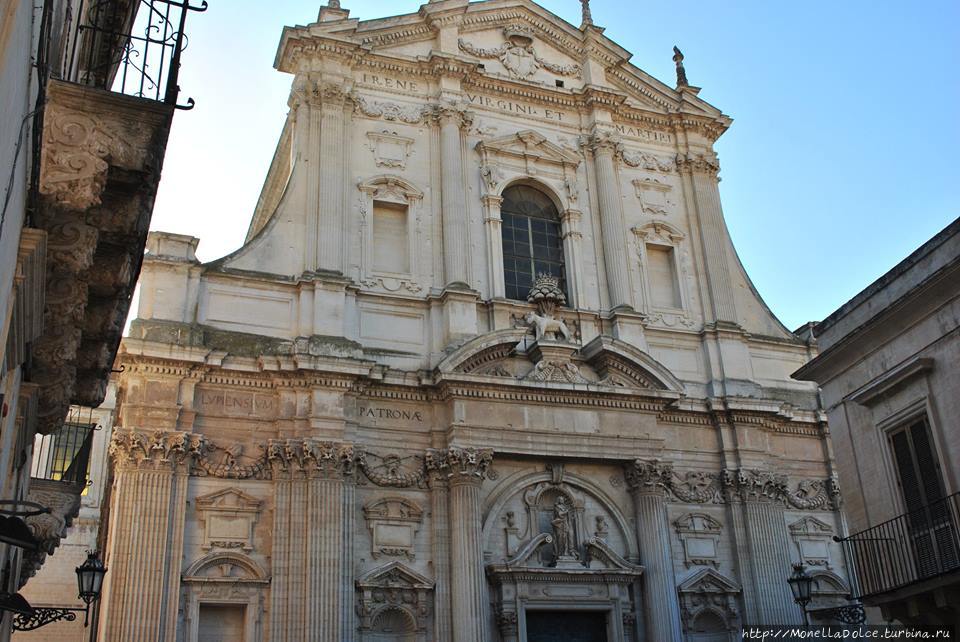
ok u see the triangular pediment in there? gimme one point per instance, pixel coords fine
(227, 499)
(708, 580)
(394, 575)
(527, 144)
(810, 525)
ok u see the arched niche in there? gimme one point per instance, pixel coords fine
(226, 585)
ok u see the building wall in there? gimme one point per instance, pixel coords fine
(308, 444)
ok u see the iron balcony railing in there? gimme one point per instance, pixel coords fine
(64, 455)
(911, 548)
(131, 47)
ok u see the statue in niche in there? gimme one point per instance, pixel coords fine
(563, 528)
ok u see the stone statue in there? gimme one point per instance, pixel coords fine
(547, 295)
(545, 325)
(681, 72)
(587, 16)
(563, 528)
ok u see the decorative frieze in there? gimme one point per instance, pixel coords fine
(394, 471)
(517, 54)
(411, 114)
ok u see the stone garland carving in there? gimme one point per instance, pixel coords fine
(730, 485)
(412, 114)
(556, 372)
(389, 470)
(231, 463)
(643, 160)
(517, 54)
(460, 463)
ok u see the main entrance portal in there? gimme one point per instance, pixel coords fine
(559, 626)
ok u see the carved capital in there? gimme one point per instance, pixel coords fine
(602, 142)
(460, 465)
(698, 163)
(452, 113)
(311, 458)
(754, 485)
(171, 450)
(649, 476)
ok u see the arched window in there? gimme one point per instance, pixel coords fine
(532, 243)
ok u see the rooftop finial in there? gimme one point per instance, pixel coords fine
(681, 72)
(587, 18)
(333, 4)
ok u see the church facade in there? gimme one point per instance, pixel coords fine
(487, 366)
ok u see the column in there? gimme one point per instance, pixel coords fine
(309, 571)
(701, 172)
(614, 232)
(648, 481)
(348, 618)
(761, 494)
(456, 262)
(492, 224)
(440, 544)
(332, 162)
(570, 230)
(465, 469)
(141, 601)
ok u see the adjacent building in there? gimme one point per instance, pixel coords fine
(891, 387)
(487, 366)
(86, 104)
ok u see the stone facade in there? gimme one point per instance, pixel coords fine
(354, 428)
(888, 370)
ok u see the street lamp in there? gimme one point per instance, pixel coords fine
(801, 584)
(89, 585)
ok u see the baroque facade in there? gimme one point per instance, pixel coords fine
(486, 365)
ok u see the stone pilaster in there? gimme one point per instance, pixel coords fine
(760, 497)
(332, 152)
(309, 569)
(440, 543)
(454, 202)
(146, 545)
(701, 172)
(604, 147)
(465, 469)
(572, 240)
(648, 482)
(348, 617)
(492, 223)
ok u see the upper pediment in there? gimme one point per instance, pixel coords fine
(490, 41)
(527, 144)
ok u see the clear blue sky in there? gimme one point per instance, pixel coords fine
(842, 159)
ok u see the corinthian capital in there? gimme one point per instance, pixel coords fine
(649, 476)
(448, 111)
(311, 458)
(160, 449)
(754, 485)
(459, 465)
(703, 163)
(601, 142)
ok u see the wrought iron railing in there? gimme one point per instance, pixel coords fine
(131, 47)
(911, 548)
(64, 455)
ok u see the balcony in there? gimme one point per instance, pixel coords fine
(912, 551)
(58, 479)
(106, 113)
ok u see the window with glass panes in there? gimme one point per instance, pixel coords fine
(532, 243)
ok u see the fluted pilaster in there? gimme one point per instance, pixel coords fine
(493, 224)
(648, 481)
(612, 228)
(454, 202)
(440, 542)
(332, 163)
(146, 549)
(464, 469)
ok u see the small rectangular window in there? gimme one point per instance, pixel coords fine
(390, 240)
(559, 83)
(662, 277)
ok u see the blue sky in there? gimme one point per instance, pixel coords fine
(842, 158)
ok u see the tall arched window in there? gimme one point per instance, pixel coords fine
(532, 243)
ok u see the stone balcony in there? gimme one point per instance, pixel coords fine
(101, 158)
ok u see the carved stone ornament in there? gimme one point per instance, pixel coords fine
(754, 485)
(393, 524)
(228, 517)
(556, 371)
(48, 529)
(812, 538)
(700, 535)
(460, 464)
(647, 161)
(653, 195)
(517, 54)
(411, 114)
(389, 149)
(709, 591)
(311, 458)
(649, 476)
(231, 462)
(394, 471)
(394, 587)
(703, 163)
(156, 450)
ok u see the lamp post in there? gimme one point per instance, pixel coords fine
(801, 584)
(89, 585)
